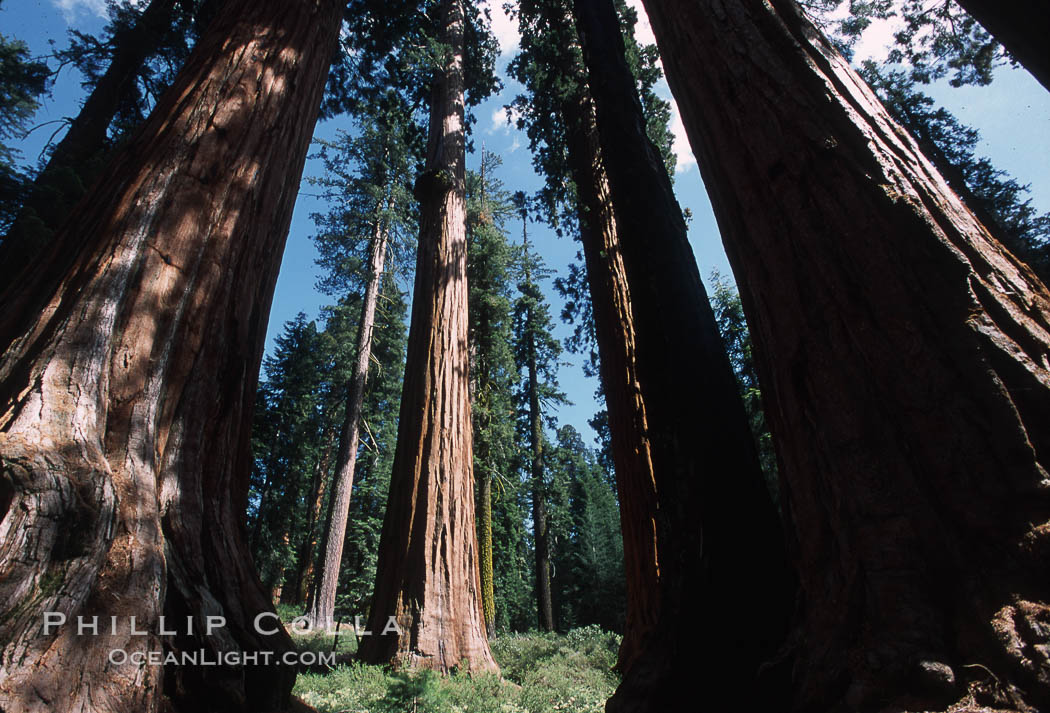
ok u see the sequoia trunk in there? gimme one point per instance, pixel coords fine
(427, 577)
(724, 584)
(68, 173)
(1022, 27)
(128, 373)
(903, 355)
(615, 334)
(322, 601)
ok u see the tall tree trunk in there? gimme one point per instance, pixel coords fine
(322, 602)
(68, 172)
(427, 574)
(615, 334)
(128, 370)
(540, 523)
(903, 355)
(724, 584)
(1022, 27)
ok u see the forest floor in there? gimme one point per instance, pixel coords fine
(541, 673)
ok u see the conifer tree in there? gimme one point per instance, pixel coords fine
(492, 368)
(536, 353)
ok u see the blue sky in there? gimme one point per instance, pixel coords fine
(1012, 114)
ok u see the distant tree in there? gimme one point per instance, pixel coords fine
(536, 353)
(490, 267)
(373, 208)
(22, 81)
(285, 432)
(588, 582)
(379, 416)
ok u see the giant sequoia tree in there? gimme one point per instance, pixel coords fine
(427, 576)
(559, 116)
(128, 369)
(719, 543)
(903, 359)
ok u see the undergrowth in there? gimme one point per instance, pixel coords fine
(541, 673)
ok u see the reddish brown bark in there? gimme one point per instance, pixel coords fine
(427, 573)
(1022, 28)
(322, 601)
(903, 355)
(615, 334)
(725, 587)
(128, 371)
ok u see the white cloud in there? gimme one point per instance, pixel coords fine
(643, 31)
(71, 8)
(680, 145)
(504, 28)
(500, 122)
(876, 41)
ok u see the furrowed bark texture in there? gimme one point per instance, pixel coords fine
(905, 360)
(615, 334)
(61, 183)
(725, 585)
(128, 379)
(1022, 28)
(322, 603)
(427, 572)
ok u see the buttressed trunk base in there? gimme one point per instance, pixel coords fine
(128, 373)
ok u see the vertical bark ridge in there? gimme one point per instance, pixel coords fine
(725, 585)
(129, 370)
(903, 357)
(615, 334)
(427, 575)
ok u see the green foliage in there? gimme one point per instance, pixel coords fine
(491, 264)
(392, 46)
(589, 586)
(1001, 203)
(729, 314)
(22, 81)
(550, 66)
(937, 38)
(543, 672)
(367, 182)
(169, 47)
(287, 419)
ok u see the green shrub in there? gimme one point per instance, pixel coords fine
(541, 673)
